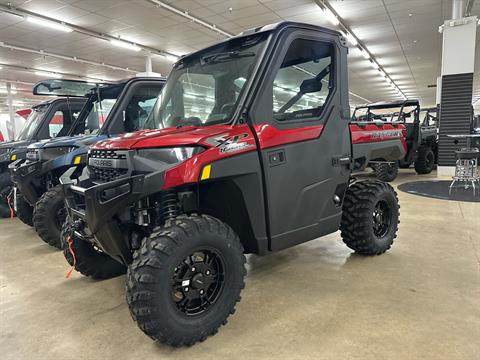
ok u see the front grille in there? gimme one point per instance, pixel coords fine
(33, 155)
(114, 166)
(107, 154)
(106, 175)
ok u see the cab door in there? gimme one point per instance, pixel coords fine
(303, 137)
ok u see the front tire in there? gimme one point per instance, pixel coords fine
(386, 171)
(24, 210)
(164, 294)
(425, 160)
(370, 217)
(49, 215)
(88, 260)
(5, 189)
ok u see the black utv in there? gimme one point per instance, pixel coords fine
(50, 119)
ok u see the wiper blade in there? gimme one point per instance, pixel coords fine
(225, 56)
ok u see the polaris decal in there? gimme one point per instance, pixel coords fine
(229, 143)
(385, 133)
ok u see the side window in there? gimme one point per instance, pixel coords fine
(304, 81)
(139, 106)
(56, 124)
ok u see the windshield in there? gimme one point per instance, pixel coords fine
(96, 110)
(389, 114)
(31, 124)
(204, 89)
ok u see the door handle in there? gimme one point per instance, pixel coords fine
(276, 157)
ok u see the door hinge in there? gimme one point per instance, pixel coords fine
(342, 161)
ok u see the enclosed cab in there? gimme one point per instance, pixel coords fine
(111, 109)
(248, 149)
(48, 120)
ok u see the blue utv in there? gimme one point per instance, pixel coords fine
(110, 110)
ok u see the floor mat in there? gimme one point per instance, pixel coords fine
(438, 189)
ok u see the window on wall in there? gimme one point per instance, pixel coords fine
(303, 83)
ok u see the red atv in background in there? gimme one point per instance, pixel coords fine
(247, 150)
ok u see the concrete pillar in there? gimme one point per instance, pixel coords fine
(11, 126)
(456, 84)
(148, 63)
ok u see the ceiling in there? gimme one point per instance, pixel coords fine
(402, 35)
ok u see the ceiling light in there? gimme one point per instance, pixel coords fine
(331, 16)
(1, 67)
(170, 57)
(351, 39)
(374, 65)
(48, 74)
(365, 54)
(49, 24)
(125, 45)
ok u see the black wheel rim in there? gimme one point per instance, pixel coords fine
(198, 281)
(60, 217)
(382, 218)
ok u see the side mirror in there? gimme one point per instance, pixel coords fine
(310, 86)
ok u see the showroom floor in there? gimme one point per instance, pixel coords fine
(421, 300)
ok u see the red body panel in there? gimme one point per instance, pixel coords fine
(269, 136)
(214, 138)
(375, 133)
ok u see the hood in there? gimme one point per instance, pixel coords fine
(14, 144)
(188, 135)
(64, 141)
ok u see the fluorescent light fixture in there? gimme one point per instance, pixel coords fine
(1, 67)
(331, 16)
(49, 24)
(365, 54)
(48, 74)
(125, 45)
(351, 39)
(170, 57)
(374, 65)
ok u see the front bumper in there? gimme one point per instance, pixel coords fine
(23, 174)
(97, 204)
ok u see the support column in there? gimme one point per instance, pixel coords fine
(456, 84)
(11, 124)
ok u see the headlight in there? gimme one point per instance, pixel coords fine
(170, 155)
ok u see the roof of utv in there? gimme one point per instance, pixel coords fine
(264, 29)
(389, 104)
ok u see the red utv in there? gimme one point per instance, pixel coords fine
(247, 150)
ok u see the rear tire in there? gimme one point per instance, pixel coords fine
(370, 217)
(89, 261)
(24, 210)
(159, 297)
(386, 171)
(425, 160)
(49, 215)
(5, 189)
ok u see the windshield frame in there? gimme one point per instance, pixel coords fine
(87, 108)
(196, 59)
(29, 122)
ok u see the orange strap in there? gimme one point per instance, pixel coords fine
(70, 249)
